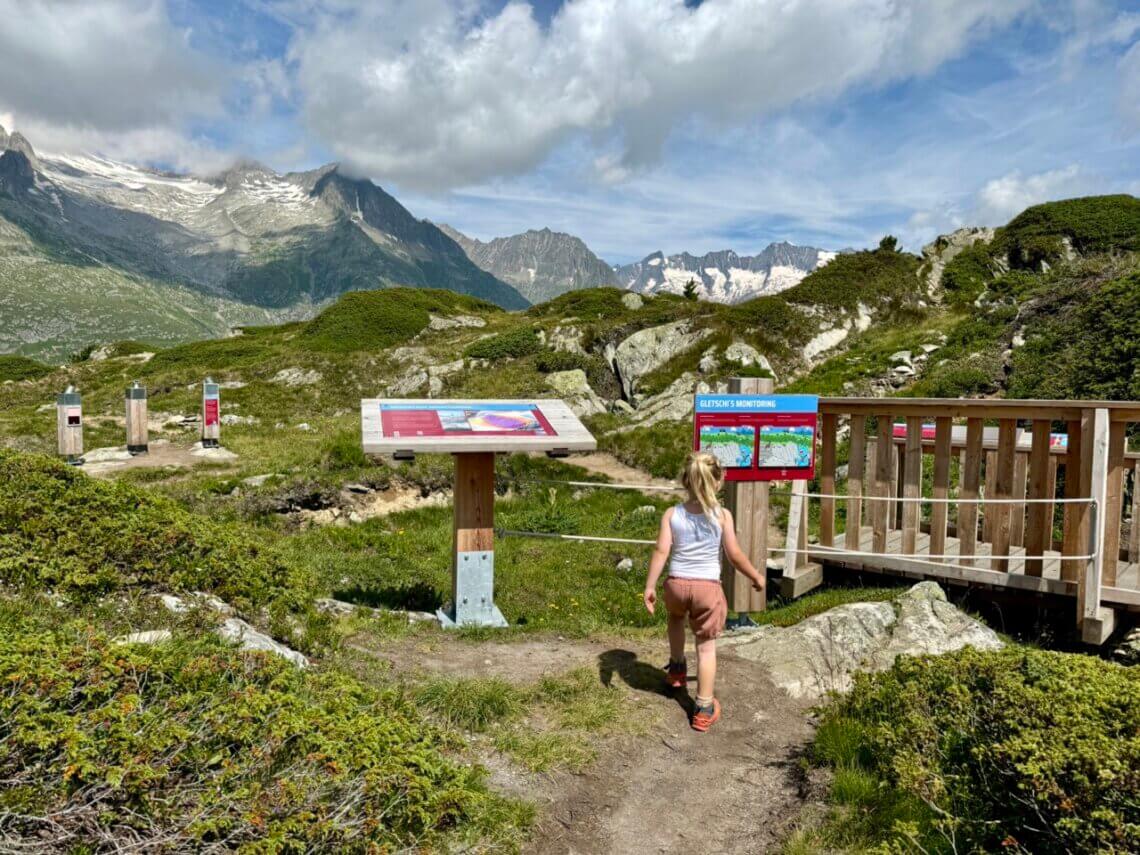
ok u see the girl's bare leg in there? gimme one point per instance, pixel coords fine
(706, 668)
(676, 638)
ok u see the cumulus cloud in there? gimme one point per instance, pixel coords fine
(1006, 197)
(104, 65)
(433, 94)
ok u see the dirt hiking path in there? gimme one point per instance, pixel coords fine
(601, 463)
(736, 789)
(733, 790)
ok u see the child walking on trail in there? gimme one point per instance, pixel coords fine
(691, 537)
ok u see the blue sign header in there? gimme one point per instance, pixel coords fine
(757, 404)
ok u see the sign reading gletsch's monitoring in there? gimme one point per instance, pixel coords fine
(758, 437)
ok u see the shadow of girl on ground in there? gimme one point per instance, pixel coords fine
(641, 676)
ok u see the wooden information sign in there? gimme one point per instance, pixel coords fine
(474, 431)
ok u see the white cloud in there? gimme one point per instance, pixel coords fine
(104, 65)
(1004, 198)
(1129, 97)
(432, 95)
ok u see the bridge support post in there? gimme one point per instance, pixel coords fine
(1097, 622)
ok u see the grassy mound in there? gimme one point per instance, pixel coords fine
(22, 368)
(191, 746)
(1018, 750)
(868, 277)
(373, 320)
(63, 531)
(1086, 348)
(1091, 224)
(521, 341)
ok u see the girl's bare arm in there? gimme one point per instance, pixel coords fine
(657, 562)
(736, 554)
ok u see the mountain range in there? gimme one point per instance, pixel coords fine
(94, 250)
(724, 276)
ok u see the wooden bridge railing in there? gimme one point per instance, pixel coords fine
(1038, 501)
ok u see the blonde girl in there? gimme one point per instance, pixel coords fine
(691, 538)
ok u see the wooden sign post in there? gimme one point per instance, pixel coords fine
(748, 503)
(69, 426)
(474, 432)
(211, 414)
(138, 435)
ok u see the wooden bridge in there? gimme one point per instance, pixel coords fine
(1035, 496)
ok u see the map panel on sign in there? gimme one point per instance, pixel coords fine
(733, 445)
(786, 447)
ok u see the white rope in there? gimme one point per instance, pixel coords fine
(507, 532)
(605, 485)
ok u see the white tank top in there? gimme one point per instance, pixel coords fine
(696, 546)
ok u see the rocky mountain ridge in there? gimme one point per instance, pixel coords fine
(539, 263)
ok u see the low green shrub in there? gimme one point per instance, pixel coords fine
(1091, 224)
(374, 320)
(521, 341)
(1087, 348)
(21, 368)
(1016, 750)
(62, 530)
(193, 746)
(559, 360)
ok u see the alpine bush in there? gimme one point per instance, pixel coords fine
(521, 341)
(61, 530)
(21, 368)
(1017, 750)
(193, 746)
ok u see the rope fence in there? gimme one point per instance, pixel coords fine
(922, 558)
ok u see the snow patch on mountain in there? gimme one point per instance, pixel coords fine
(724, 277)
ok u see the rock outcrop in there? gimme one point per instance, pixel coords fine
(821, 654)
(573, 388)
(938, 253)
(649, 349)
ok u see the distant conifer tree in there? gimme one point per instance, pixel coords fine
(690, 291)
(890, 243)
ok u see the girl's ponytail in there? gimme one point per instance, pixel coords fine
(703, 477)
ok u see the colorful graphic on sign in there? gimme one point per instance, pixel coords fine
(733, 446)
(74, 416)
(210, 405)
(758, 437)
(406, 420)
(786, 447)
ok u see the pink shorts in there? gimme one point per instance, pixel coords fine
(701, 600)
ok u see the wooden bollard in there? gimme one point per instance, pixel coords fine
(211, 414)
(69, 425)
(138, 434)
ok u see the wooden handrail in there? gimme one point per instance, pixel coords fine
(983, 408)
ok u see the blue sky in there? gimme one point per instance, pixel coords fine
(636, 124)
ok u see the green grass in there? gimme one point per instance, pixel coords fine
(17, 368)
(472, 703)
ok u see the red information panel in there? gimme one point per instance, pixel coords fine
(210, 405)
(416, 420)
(758, 437)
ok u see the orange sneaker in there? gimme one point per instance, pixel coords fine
(676, 674)
(702, 720)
